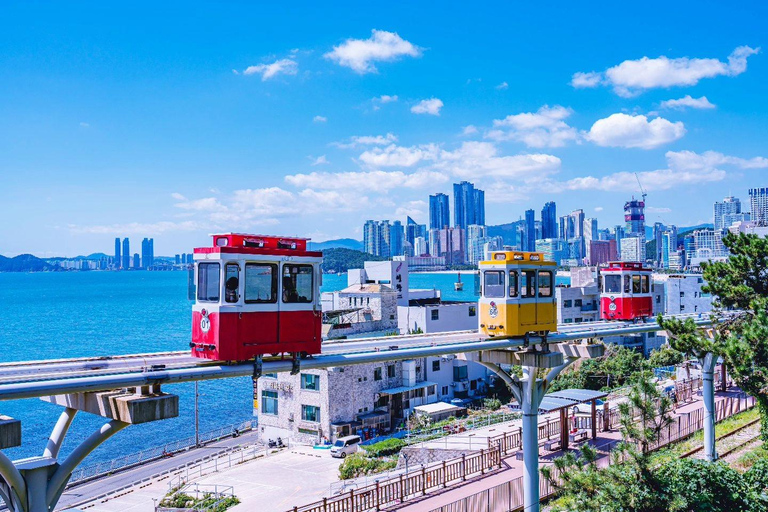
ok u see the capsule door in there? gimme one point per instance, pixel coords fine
(528, 291)
(259, 321)
(297, 316)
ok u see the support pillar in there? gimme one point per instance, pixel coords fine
(708, 363)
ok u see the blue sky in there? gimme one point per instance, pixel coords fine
(179, 120)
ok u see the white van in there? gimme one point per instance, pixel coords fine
(344, 446)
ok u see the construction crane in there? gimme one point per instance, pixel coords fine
(642, 190)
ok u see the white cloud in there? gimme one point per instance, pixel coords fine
(469, 130)
(502, 86)
(687, 101)
(657, 209)
(380, 181)
(481, 159)
(83, 124)
(689, 160)
(382, 46)
(431, 106)
(330, 200)
(321, 160)
(543, 128)
(138, 228)
(632, 77)
(414, 209)
(367, 140)
(398, 156)
(385, 98)
(634, 131)
(599, 208)
(204, 204)
(585, 80)
(267, 71)
(319, 119)
(684, 169)
(178, 196)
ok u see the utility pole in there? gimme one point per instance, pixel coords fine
(197, 418)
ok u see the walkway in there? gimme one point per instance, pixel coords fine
(513, 468)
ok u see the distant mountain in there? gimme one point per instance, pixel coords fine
(24, 263)
(339, 259)
(95, 256)
(680, 229)
(343, 243)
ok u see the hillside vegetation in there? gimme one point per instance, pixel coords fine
(340, 260)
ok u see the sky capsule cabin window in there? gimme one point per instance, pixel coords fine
(208, 282)
(494, 284)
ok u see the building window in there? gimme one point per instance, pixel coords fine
(682, 307)
(578, 303)
(568, 321)
(260, 283)
(208, 282)
(567, 303)
(297, 283)
(377, 374)
(269, 402)
(431, 390)
(391, 371)
(391, 317)
(310, 413)
(436, 366)
(473, 385)
(658, 299)
(445, 390)
(310, 382)
(579, 320)
(435, 314)
(472, 310)
(682, 294)
(459, 373)
(270, 375)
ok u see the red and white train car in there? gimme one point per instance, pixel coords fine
(256, 295)
(626, 292)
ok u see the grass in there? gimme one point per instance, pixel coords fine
(748, 460)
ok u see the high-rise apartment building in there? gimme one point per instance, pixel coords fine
(477, 237)
(136, 260)
(126, 263)
(449, 243)
(468, 205)
(601, 251)
(414, 230)
(377, 238)
(439, 212)
(728, 206)
(396, 239)
(549, 227)
(554, 249)
(634, 216)
(529, 240)
(147, 252)
(618, 235)
(709, 244)
(118, 263)
(633, 248)
(758, 202)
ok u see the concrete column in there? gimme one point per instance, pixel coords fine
(708, 363)
(59, 432)
(530, 408)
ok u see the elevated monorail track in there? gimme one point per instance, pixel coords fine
(43, 378)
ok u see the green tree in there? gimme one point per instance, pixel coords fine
(741, 282)
(665, 356)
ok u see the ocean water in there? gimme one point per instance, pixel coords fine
(76, 314)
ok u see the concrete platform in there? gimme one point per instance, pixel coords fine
(10, 432)
(121, 405)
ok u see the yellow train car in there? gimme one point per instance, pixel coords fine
(517, 294)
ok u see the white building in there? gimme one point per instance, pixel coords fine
(633, 248)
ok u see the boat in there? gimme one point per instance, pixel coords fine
(458, 285)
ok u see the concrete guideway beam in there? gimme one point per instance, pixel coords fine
(123, 405)
(35, 484)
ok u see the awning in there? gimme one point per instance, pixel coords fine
(567, 398)
(403, 389)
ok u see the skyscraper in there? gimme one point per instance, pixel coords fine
(147, 252)
(118, 260)
(396, 238)
(549, 220)
(126, 264)
(634, 216)
(439, 212)
(727, 206)
(381, 238)
(758, 202)
(468, 205)
(529, 242)
(477, 237)
(414, 230)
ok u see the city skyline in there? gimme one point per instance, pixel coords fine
(300, 129)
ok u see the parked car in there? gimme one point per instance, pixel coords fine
(345, 446)
(587, 408)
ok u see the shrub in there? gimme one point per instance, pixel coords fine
(493, 404)
(383, 448)
(698, 485)
(358, 464)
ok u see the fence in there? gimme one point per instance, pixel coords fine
(407, 486)
(508, 496)
(104, 468)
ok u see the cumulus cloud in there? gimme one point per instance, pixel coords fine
(139, 228)
(469, 130)
(502, 86)
(687, 102)
(319, 119)
(543, 128)
(431, 106)
(634, 131)
(414, 209)
(279, 67)
(204, 204)
(481, 159)
(361, 54)
(684, 168)
(380, 181)
(633, 77)
(385, 98)
(398, 156)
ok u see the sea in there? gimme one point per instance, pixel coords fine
(57, 315)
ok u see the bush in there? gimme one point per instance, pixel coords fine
(358, 464)
(493, 404)
(757, 476)
(383, 448)
(698, 485)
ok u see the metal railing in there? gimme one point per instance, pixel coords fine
(85, 473)
(508, 497)
(417, 483)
